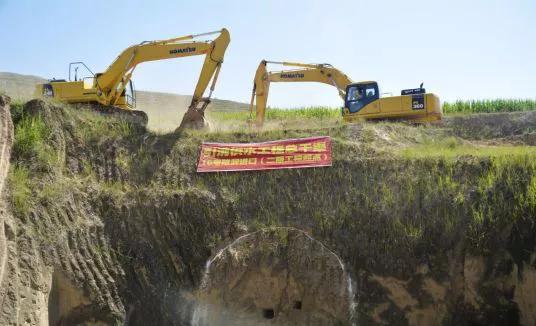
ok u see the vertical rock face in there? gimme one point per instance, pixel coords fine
(6, 141)
(6, 138)
(276, 276)
(55, 266)
(24, 279)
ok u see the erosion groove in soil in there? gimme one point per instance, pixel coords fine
(108, 223)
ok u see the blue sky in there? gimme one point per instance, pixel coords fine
(460, 49)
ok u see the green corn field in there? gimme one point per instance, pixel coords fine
(489, 106)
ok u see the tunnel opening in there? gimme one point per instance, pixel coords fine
(281, 268)
(70, 304)
(268, 313)
(64, 297)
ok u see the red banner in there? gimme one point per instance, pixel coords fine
(283, 154)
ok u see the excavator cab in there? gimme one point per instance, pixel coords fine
(360, 95)
(363, 102)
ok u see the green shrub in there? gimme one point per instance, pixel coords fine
(97, 128)
(32, 146)
(30, 136)
(16, 111)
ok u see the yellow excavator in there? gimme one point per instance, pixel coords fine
(114, 86)
(361, 100)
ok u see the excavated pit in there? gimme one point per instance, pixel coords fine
(278, 276)
(104, 222)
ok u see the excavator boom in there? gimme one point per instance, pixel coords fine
(319, 73)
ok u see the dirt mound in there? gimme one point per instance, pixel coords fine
(522, 139)
(492, 125)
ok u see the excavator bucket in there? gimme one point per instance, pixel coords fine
(194, 118)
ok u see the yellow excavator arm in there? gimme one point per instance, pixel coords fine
(113, 81)
(108, 87)
(320, 73)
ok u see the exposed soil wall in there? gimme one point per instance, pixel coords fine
(276, 276)
(116, 222)
(6, 141)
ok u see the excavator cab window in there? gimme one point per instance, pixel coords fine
(359, 95)
(130, 95)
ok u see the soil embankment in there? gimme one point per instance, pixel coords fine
(109, 224)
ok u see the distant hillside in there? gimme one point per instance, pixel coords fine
(19, 86)
(165, 110)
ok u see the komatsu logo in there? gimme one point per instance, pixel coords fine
(293, 75)
(185, 50)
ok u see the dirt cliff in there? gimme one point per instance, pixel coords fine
(6, 141)
(108, 223)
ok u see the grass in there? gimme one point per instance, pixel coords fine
(277, 118)
(31, 143)
(16, 107)
(98, 128)
(314, 112)
(452, 147)
(30, 133)
(19, 180)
